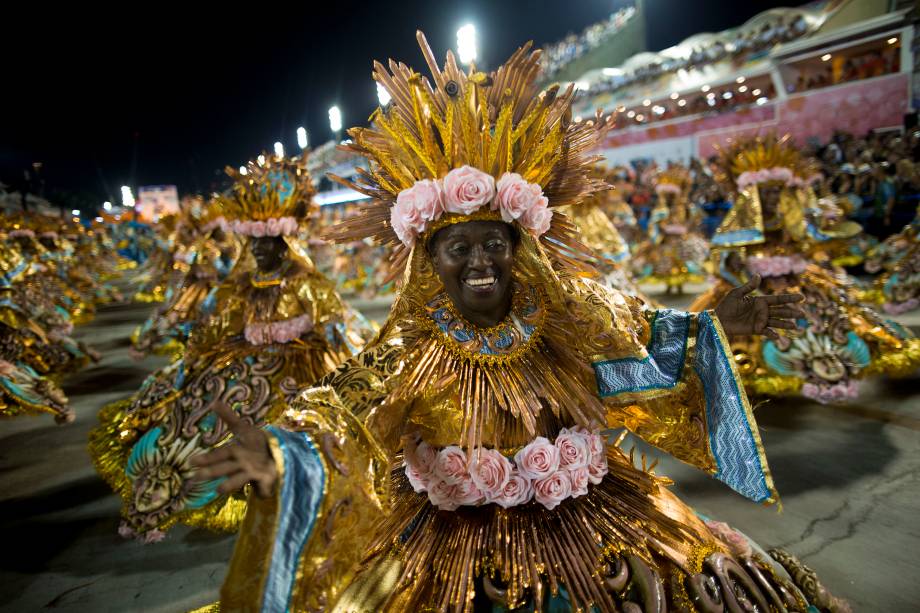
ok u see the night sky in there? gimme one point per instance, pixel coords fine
(175, 92)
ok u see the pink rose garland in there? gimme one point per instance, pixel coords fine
(753, 177)
(275, 226)
(542, 471)
(463, 191)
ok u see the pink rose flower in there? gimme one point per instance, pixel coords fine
(420, 461)
(153, 536)
(466, 189)
(287, 226)
(515, 196)
(6, 368)
(573, 449)
(597, 467)
(538, 460)
(415, 207)
(448, 497)
(553, 489)
(490, 471)
(466, 493)
(580, 477)
(451, 465)
(257, 229)
(737, 544)
(273, 227)
(518, 490)
(537, 219)
(441, 495)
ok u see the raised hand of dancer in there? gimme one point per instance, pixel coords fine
(247, 458)
(741, 313)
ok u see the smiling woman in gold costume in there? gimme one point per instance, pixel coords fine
(457, 463)
(278, 324)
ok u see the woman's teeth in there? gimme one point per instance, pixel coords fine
(483, 281)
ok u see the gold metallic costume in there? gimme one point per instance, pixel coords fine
(346, 530)
(597, 231)
(271, 332)
(768, 232)
(206, 262)
(897, 289)
(54, 275)
(675, 252)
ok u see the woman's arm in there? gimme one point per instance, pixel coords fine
(320, 481)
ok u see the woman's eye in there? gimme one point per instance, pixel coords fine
(495, 246)
(459, 249)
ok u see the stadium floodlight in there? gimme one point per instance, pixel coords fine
(107, 205)
(466, 44)
(302, 140)
(335, 118)
(127, 198)
(279, 150)
(261, 160)
(75, 213)
(383, 96)
(243, 170)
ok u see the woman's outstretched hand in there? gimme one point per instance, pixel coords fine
(741, 313)
(247, 458)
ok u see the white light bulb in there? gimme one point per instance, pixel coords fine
(302, 141)
(335, 118)
(383, 96)
(466, 44)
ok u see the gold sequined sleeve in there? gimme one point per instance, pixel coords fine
(299, 548)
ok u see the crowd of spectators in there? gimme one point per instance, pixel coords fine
(573, 46)
(878, 175)
(739, 48)
(865, 65)
(717, 100)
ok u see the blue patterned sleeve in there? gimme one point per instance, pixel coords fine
(685, 397)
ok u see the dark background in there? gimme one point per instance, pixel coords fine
(148, 93)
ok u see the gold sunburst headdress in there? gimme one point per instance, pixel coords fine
(673, 180)
(746, 162)
(272, 197)
(744, 165)
(469, 146)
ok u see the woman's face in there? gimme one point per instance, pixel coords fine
(474, 260)
(769, 197)
(269, 252)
